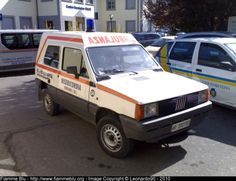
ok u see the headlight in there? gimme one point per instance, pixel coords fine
(203, 96)
(150, 110)
(146, 111)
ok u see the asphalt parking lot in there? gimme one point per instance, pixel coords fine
(33, 143)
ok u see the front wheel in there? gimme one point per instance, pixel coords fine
(112, 139)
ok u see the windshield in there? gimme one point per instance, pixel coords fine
(158, 43)
(232, 47)
(118, 59)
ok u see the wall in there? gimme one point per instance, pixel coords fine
(120, 15)
(19, 9)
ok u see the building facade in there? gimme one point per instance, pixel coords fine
(121, 16)
(18, 14)
(68, 15)
(74, 15)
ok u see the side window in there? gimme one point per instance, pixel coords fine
(214, 56)
(17, 41)
(74, 58)
(51, 57)
(183, 51)
(10, 41)
(36, 39)
(24, 41)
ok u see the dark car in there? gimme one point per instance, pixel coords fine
(146, 38)
(206, 34)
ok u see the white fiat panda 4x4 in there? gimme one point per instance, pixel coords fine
(110, 80)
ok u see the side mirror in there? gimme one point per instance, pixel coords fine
(228, 66)
(72, 70)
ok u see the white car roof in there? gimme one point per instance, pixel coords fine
(92, 39)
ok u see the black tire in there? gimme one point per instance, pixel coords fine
(49, 105)
(111, 137)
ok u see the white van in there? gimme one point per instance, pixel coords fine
(211, 61)
(110, 80)
(18, 49)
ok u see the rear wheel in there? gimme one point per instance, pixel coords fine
(111, 137)
(50, 106)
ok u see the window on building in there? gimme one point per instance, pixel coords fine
(111, 26)
(79, 1)
(130, 26)
(68, 26)
(74, 58)
(51, 57)
(130, 4)
(214, 56)
(26, 22)
(8, 22)
(48, 24)
(183, 51)
(89, 2)
(111, 5)
(80, 25)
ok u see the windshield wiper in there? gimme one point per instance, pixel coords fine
(116, 71)
(157, 70)
(103, 77)
(112, 71)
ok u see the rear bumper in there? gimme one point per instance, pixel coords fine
(156, 129)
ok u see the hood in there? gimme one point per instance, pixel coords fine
(149, 86)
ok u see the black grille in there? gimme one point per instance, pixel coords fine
(177, 104)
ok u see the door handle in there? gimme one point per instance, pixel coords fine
(199, 70)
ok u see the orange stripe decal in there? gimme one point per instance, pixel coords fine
(111, 91)
(47, 68)
(77, 40)
(69, 76)
(72, 77)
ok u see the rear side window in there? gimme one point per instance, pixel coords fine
(36, 39)
(51, 57)
(10, 41)
(183, 51)
(21, 40)
(24, 41)
(212, 55)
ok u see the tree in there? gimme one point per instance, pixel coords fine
(190, 15)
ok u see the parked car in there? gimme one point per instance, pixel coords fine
(206, 34)
(211, 61)
(146, 38)
(156, 45)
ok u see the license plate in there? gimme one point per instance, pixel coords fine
(180, 125)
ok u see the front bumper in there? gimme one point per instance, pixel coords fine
(156, 129)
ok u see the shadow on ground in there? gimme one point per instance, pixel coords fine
(66, 144)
